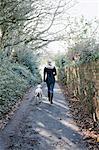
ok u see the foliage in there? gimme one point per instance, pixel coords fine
(81, 80)
(15, 78)
(28, 58)
(24, 25)
(84, 52)
(80, 30)
(78, 68)
(12, 86)
(29, 22)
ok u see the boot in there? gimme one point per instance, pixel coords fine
(51, 98)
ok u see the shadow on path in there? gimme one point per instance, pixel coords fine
(44, 126)
(55, 125)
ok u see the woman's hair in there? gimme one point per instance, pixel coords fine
(49, 61)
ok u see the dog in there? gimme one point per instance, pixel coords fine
(38, 94)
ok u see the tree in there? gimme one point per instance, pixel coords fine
(29, 21)
(81, 36)
(80, 29)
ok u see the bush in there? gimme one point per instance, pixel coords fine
(12, 87)
(15, 78)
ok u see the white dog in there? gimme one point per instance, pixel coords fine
(38, 93)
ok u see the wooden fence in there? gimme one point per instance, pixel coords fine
(83, 82)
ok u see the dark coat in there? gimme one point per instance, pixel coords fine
(49, 74)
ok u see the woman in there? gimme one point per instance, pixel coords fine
(49, 78)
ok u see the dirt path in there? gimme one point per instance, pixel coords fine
(42, 126)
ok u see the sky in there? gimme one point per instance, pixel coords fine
(88, 8)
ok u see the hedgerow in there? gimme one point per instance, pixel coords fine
(15, 78)
(78, 70)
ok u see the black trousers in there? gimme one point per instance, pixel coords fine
(50, 87)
